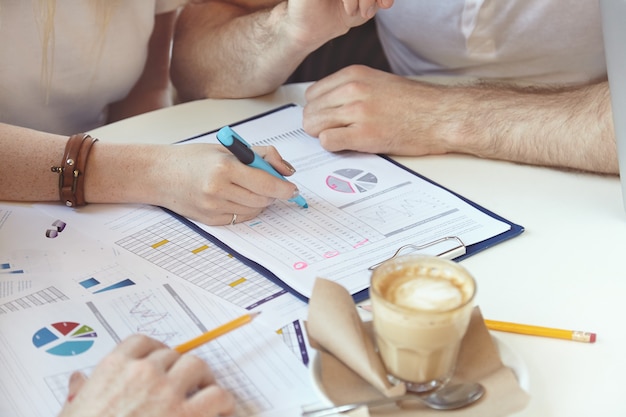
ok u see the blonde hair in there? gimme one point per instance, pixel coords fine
(44, 16)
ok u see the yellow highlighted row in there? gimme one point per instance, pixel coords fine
(237, 282)
(161, 243)
(195, 251)
(200, 249)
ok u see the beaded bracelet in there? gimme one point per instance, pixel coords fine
(72, 169)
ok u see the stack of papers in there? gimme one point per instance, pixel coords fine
(74, 283)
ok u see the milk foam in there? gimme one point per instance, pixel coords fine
(426, 293)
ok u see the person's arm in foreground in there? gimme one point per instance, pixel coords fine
(142, 377)
(201, 181)
(363, 109)
(245, 48)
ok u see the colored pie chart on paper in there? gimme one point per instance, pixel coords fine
(351, 180)
(65, 338)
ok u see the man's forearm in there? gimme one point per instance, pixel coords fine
(223, 50)
(568, 127)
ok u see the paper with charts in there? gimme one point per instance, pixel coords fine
(42, 346)
(69, 293)
(362, 208)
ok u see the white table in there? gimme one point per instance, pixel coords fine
(566, 270)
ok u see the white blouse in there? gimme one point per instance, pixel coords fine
(90, 64)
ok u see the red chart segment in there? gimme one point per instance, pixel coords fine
(351, 181)
(65, 327)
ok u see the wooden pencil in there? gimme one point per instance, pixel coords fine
(215, 333)
(575, 335)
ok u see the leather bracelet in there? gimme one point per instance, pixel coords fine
(81, 165)
(72, 169)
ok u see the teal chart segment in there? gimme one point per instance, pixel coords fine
(65, 338)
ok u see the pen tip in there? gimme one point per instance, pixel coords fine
(305, 205)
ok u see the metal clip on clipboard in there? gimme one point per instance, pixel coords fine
(452, 253)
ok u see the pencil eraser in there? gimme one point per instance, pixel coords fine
(592, 338)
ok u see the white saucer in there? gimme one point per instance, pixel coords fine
(513, 360)
(315, 373)
(509, 358)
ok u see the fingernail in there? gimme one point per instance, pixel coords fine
(75, 377)
(296, 193)
(371, 12)
(289, 167)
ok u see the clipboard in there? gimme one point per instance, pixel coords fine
(453, 247)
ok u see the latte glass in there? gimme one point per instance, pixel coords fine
(421, 309)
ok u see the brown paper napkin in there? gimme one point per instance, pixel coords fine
(352, 371)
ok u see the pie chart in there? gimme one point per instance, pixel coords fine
(65, 338)
(351, 180)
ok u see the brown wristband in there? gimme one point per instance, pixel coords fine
(72, 169)
(83, 154)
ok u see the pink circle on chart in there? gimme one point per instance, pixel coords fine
(331, 254)
(300, 265)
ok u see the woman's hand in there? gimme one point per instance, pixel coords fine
(208, 184)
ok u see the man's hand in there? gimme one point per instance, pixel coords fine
(142, 377)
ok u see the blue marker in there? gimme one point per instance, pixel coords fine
(242, 150)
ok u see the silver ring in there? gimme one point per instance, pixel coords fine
(234, 219)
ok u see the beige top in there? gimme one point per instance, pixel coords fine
(90, 65)
(535, 40)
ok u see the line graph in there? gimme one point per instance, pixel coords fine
(161, 313)
(164, 314)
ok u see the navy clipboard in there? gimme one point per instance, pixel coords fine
(459, 252)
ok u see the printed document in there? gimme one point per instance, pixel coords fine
(362, 209)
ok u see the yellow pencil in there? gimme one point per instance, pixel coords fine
(575, 335)
(215, 333)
